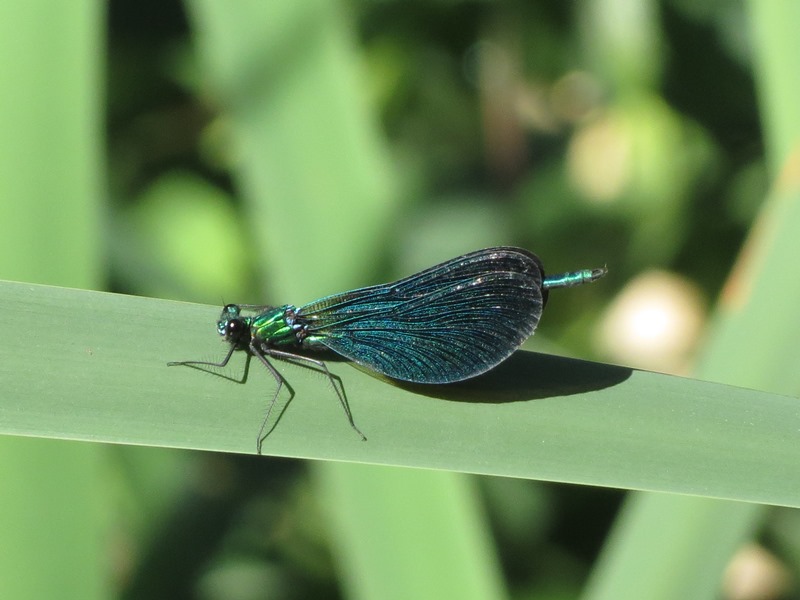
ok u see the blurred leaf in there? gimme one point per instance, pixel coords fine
(183, 225)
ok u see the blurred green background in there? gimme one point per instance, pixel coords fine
(271, 152)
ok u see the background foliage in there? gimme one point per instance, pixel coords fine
(276, 152)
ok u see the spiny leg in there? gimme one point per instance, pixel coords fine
(196, 364)
(324, 368)
(316, 365)
(222, 363)
(281, 382)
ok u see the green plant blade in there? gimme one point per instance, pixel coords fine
(88, 365)
(680, 527)
(435, 524)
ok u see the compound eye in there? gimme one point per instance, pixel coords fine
(233, 327)
(231, 310)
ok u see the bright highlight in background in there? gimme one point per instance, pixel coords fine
(654, 323)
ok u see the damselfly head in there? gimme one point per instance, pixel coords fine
(232, 326)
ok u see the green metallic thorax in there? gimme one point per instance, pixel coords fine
(275, 328)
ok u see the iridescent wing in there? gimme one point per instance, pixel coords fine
(451, 322)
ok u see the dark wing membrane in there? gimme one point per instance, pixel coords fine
(447, 323)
